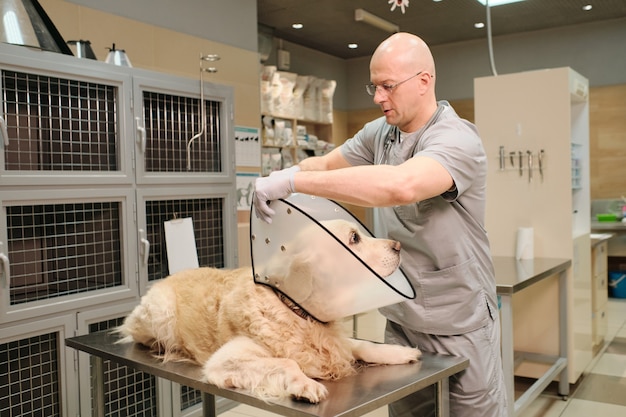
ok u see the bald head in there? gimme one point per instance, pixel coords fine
(404, 51)
(404, 69)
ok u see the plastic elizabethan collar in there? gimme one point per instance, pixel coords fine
(301, 258)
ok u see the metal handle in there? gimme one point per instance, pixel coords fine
(6, 270)
(142, 134)
(5, 132)
(146, 250)
(145, 246)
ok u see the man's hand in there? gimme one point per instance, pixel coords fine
(279, 184)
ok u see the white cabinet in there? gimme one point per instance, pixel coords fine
(535, 128)
(599, 289)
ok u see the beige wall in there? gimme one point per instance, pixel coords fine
(162, 50)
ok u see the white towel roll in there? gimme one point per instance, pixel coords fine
(525, 243)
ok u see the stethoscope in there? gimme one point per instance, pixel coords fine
(394, 134)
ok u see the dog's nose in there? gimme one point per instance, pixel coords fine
(395, 245)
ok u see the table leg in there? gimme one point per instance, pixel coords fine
(208, 405)
(97, 383)
(442, 389)
(563, 342)
(508, 359)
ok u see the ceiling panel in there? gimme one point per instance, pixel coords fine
(329, 25)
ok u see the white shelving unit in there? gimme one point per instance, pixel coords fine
(298, 102)
(295, 151)
(527, 113)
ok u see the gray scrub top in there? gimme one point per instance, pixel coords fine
(445, 247)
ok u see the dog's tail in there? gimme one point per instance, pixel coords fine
(123, 334)
(136, 327)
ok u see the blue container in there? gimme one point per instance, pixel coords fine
(617, 284)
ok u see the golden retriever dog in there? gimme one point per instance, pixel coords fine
(248, 336)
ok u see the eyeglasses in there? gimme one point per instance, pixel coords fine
(388, 88)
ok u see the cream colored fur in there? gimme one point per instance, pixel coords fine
(245, 337)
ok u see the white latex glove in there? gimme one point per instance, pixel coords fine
(279, 184)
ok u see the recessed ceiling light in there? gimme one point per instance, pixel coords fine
(497, 2)
(587, 7)
(479, 25)
(353, 45)
(297, 26)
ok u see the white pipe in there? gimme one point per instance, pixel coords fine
(489, 40)
(210, 58)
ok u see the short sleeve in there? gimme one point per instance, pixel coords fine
(363, 147)
(455, 144)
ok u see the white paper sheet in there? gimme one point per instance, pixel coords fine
(245, 189)
(181, 245)
(247, 146)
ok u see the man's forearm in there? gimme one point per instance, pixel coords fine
(313, 163)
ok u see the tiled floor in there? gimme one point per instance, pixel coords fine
(600, 392)
(602, 389)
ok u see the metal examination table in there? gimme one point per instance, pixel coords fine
(372, 388)
(513, 276)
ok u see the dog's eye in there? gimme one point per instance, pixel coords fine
(354, 238)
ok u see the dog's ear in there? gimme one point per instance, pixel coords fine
(299, 280)
(294, 278)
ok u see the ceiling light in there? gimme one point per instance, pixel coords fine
(361, 15)
(297, 26)
(479, 25)
(587, 7)
(497, 2)
(353, 45)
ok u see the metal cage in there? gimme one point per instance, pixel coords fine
(59, 124)
(94, 159)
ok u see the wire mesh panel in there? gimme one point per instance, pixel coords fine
(62, 249)
(29, 377)
(177, 137)
(189, 397)
(127, 392)
(57, 124)
(207, 215)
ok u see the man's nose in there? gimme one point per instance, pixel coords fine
(379, 96)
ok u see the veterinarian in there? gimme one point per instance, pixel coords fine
(424, 169)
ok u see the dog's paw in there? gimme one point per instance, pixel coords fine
(396, 354)
(384, 354)
(307, 389)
